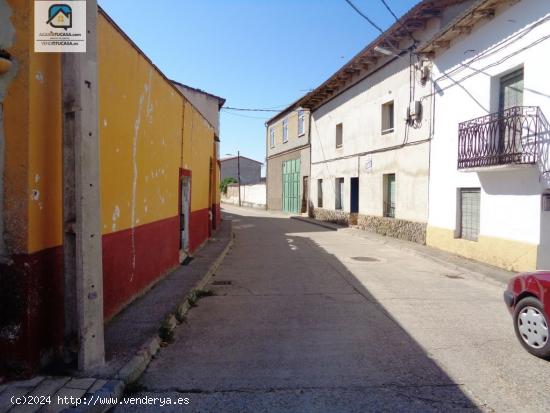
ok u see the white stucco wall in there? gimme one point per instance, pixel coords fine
(510, 199)
(359, 109)
(251, 195)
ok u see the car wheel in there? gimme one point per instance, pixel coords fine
(531, 327)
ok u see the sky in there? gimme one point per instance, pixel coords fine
(253, 53)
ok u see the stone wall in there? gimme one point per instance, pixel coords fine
(391, 227)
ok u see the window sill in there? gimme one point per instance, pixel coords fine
(301, 134)
(387, 131)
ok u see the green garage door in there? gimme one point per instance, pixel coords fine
(291, 186)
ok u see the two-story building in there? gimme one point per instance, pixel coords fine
(371, 130)
(490, 169)
(288, 160)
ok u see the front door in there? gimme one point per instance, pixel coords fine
(185, 191)
(291, 186)
(354, 195)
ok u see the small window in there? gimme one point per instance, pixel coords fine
(320, 193)
(387, 117)
(301, 122)
(469, 213)
(339, 135)
(285, 131)
(339, 193)
(271, 137)
(389, 195)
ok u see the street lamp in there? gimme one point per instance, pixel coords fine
(238, 171)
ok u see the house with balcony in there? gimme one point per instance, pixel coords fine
(287, 153)
(489, 163)
(371, 129)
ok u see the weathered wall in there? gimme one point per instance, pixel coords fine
(140, 118)
(294, 139)
(253, 196)
(206, 104)
(145, 124)
(367, 153)
(250, 170)
(199, 158)
(274, 176)
(31, 300)
(512, 225)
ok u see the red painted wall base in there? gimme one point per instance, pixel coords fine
(133, 259)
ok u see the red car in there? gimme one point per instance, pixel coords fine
(528, 300)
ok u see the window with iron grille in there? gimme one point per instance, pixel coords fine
(339, 193)
(389, 195)
(320, 193)
(469, 213)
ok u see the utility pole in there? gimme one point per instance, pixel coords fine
(82, 251)
(239, 174)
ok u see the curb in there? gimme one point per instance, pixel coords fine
(332, 227)
(135, 367)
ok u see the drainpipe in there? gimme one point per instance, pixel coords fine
(82, 250)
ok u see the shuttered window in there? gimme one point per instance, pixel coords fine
(469, 213)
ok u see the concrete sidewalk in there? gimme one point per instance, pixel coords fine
(478, 269)
(132, 338)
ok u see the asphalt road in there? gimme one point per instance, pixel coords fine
(305, 319)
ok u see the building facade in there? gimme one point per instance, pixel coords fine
(489, 184)
(158, 184)
(249, 170)
(371, 130)
(288, 160)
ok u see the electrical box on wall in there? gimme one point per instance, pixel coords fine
(414, 112)
(546, 202)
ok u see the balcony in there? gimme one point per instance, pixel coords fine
(499, 139)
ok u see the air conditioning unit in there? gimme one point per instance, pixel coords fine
(414, 111)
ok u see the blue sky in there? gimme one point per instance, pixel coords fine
(254, 53)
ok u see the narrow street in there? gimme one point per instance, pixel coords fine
(305, 319)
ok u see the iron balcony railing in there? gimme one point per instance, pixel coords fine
(502, 138)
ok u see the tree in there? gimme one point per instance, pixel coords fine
(225, 183)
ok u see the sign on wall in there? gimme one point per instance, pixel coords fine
(60, 27)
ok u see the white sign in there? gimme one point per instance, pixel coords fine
(60, 26)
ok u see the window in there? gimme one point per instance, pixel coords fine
(339, 135)
(271, 137)
(285, 131)
(469, 213)
(319, 193)
(389, 195)
(301, 122)
(387, 117)
(339, 193)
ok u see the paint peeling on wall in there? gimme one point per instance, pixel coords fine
(7, 36)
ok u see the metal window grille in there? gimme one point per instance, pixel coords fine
(339, 193)
(469, 213)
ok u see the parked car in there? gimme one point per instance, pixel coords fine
(528, 300)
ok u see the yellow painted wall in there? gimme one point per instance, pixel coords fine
(32, 121)
(141, 117)
(140, 120)
(198, 143)
(503, 253)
